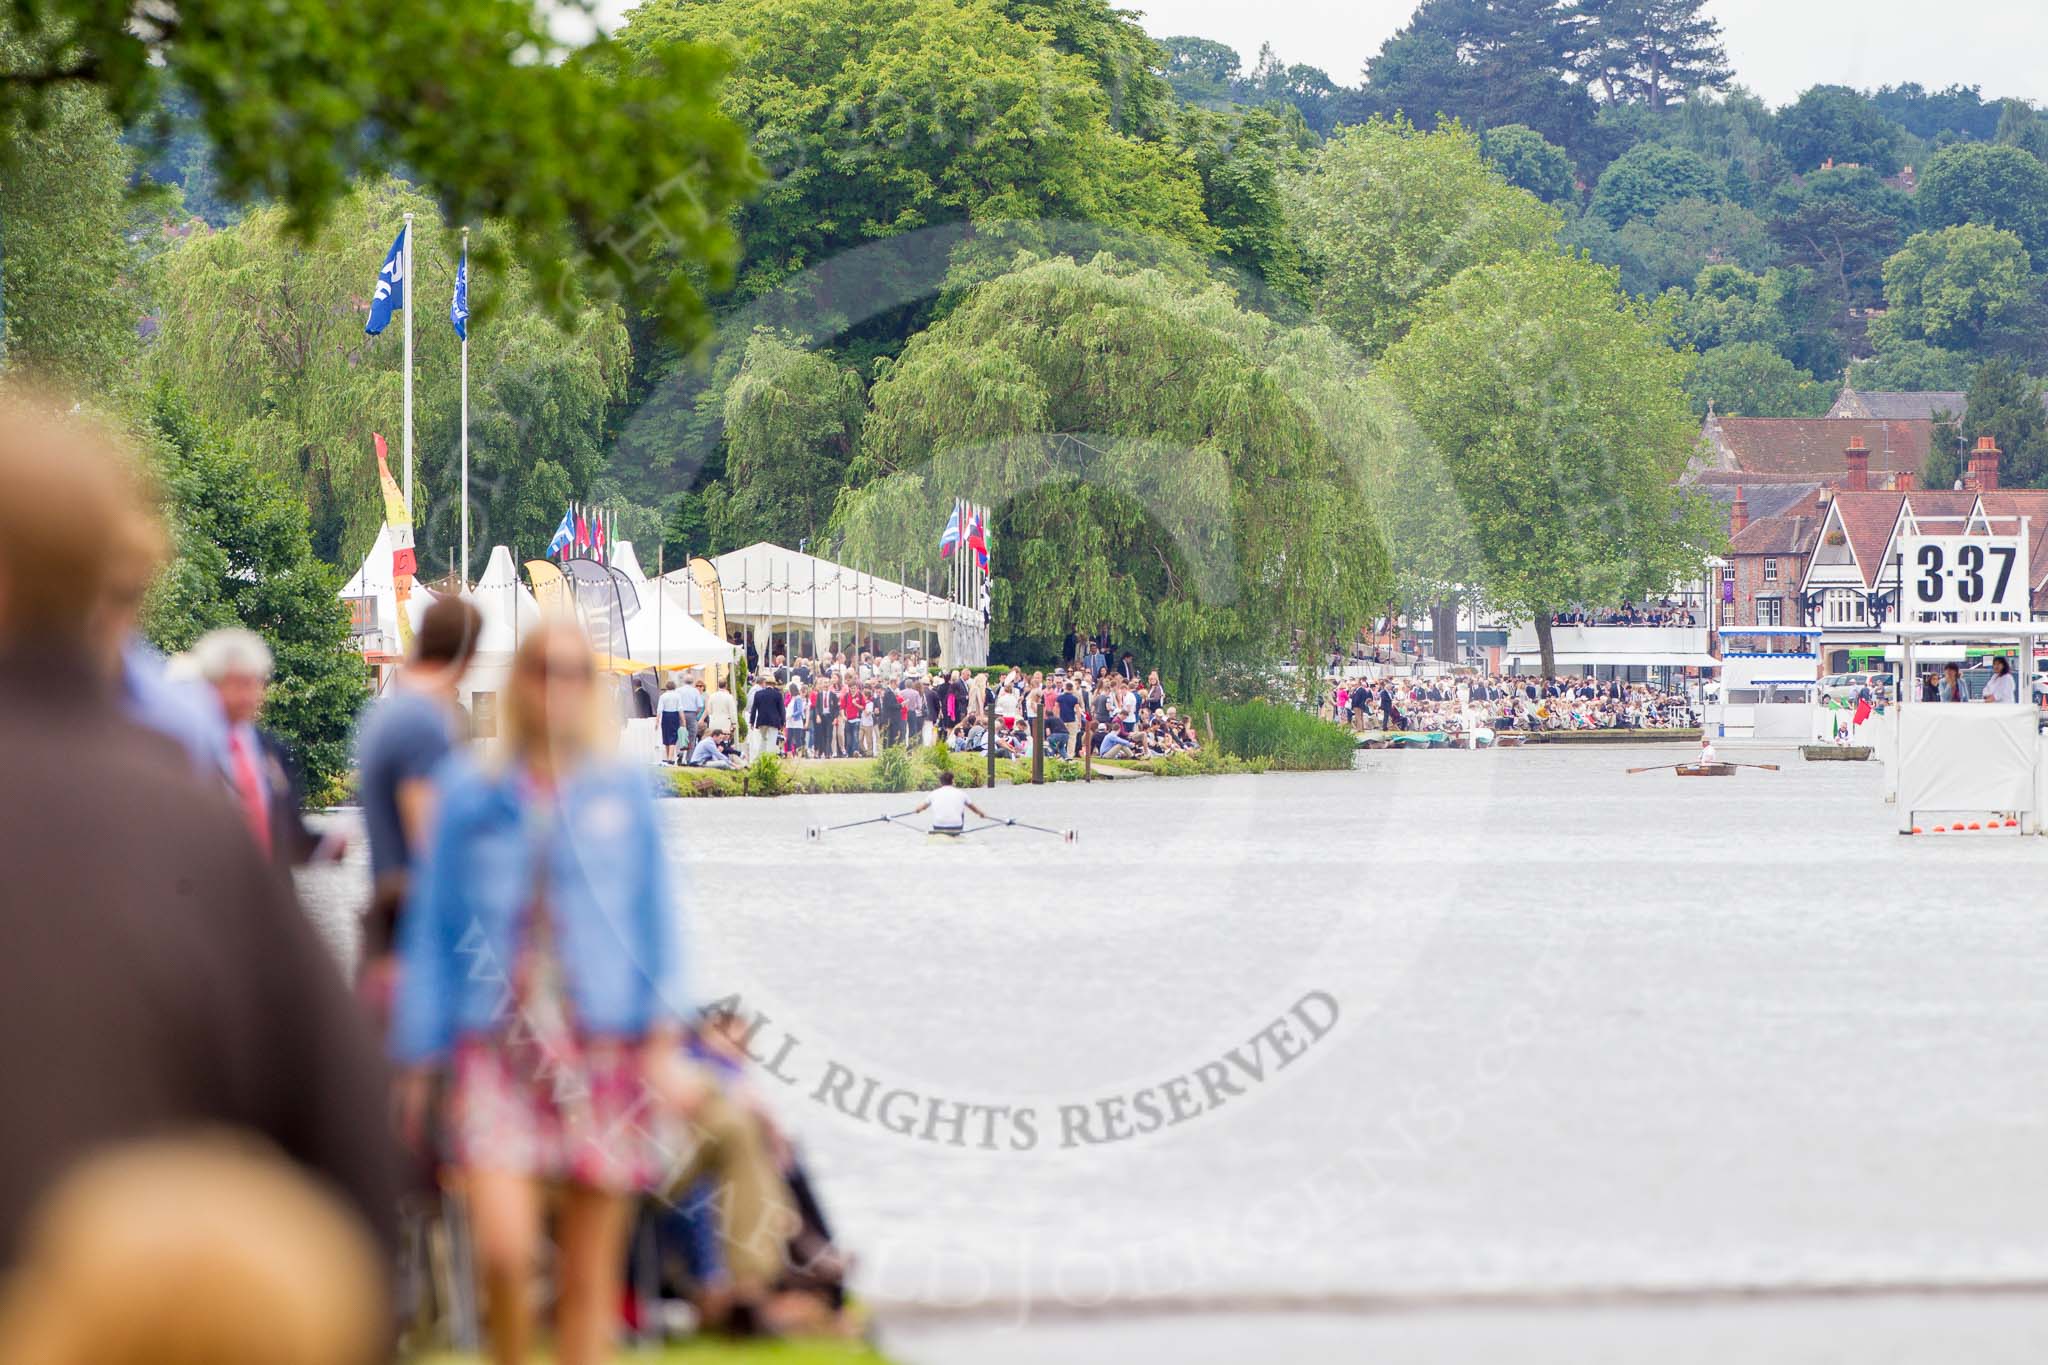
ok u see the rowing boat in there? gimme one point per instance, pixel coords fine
(1706, 769)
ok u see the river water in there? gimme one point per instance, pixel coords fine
(1461, 1049)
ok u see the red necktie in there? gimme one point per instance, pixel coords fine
(254, 808)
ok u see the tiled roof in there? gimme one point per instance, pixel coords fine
(1773, 499)
(1812, 447)
(1916, 406)
(1779, 535)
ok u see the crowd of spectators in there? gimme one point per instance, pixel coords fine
(1664, 612)
(852, 707)
(1455, 703)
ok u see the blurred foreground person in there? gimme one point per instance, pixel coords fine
(194, 1251)
(261, 776)
(404, 736)
(539, 960)
(155, 974)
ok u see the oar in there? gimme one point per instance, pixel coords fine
(1660, 768)
(1766, 767)
(814, 831)
(1066, 835)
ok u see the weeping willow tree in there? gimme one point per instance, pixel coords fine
(1160, 462)
(263, 335)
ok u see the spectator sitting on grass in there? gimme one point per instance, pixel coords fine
(715, 750)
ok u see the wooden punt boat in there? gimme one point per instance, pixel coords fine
(1706, 770)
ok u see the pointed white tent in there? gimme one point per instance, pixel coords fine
(628, 563)
(661, 633)
(373, 581)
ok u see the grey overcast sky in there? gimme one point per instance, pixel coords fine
(1778, 47)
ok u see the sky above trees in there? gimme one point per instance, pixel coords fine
(1777, 48)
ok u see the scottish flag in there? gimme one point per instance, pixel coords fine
(390, 295)
(458, 310)
(565, 534)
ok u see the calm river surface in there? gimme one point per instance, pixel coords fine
(1577, 1066)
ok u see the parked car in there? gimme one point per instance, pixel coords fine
(1849, 686)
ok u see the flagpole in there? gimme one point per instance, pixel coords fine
(406, 301)
(465, 413)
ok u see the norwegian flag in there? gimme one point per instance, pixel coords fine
(977, 540)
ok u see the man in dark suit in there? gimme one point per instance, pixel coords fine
(261, 776)
(155, 976)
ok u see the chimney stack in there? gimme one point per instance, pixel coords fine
(1738, 515)
(1984, 466)
(1856, 461)
(1902, 481)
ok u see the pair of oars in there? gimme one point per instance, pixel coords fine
(1668, 767)
(816, 831)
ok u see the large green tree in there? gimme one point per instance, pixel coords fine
(1842, 225)
(1650, 177)
(876, 117)
(1389, 212)
(1561, 412)
(607, 173)
(1750, 379)
(2001, 187)
(1529, 161)
(1486, 63)
(1958, 288)
(265, 337)
(1832, 123)
(1159, 461)
(1652, 52)
(244, 559)
(792, 420)
(69, 301)
(2005, 404)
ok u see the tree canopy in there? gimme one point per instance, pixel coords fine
(584, 157)
(1561, 413)
(1159, 461)
(1389, 212)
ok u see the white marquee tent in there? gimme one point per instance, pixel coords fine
(774, 592)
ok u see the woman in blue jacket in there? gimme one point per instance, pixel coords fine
(540, 966)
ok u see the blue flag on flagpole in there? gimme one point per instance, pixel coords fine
(458, 310)
(565, 534)
(390, 295)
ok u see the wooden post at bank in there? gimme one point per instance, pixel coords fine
(989, 744)
(1038, 743)
(1087, 748)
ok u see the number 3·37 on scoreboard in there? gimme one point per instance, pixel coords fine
(1975, 578)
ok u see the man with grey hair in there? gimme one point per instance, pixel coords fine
(236, 664)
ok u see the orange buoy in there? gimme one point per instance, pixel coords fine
(1941, 829)
(2012, 824)
(1918, 830)
(1975, 825)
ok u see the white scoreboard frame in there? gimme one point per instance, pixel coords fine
(1967, 577)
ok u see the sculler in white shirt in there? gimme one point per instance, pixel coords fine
(949, 806)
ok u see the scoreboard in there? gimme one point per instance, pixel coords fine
(1974, 577)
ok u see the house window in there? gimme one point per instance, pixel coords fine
(1845, 607)
(1770, 611)
(1770, 571)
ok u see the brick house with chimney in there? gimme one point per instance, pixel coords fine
(1849, 585)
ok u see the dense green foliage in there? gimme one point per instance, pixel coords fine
(564, 147)
(243, 558)
(1388, 212)
(263, 335)
(1285, 738)
(1159, 461)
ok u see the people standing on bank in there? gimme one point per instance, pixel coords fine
(402, 738)
(766, 717)
(540, 962)
(670, 709)
(722, 709)
(2003, 686)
